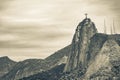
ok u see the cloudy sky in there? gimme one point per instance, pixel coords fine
(38, 28)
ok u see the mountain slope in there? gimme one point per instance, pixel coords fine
(97, 42)
(23, 69)
(93, 56)
(103, 59)
(101, 67)
(52, 74)
(34, 66)
(58, 57)
(6, 65)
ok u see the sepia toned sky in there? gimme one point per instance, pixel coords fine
(38, 28)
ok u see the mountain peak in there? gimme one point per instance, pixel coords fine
(4, 58)
(86, 20)
(81, 39)
(6, 65)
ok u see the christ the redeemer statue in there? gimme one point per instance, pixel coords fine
(86, 15)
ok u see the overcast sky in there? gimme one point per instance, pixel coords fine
(38, 28)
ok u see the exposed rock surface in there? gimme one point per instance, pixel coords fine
(24, 69)
(103, 61)
(58, 57)
(6, 65)
(96, 57)
(52, 74)
(34, 66)
(101, 67)
(80, 44)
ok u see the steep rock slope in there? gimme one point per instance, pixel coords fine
(97, 42)
(91, 58)
(6, 65)
(101, 67)
(103, 60)
(81, 40)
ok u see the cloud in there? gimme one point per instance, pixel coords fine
(41, 27)
(32, 36)
(4, 3)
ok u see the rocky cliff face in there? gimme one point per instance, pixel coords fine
(97, 42)
(6, 65)
(81, 40)
(105, 60)
(94, 56)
